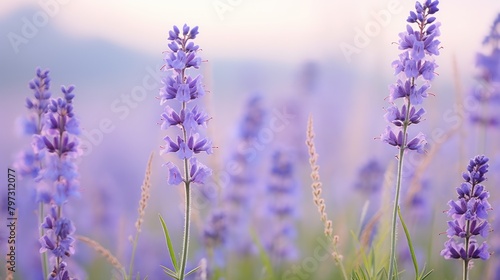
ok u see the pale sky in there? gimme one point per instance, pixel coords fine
(274, 30)
(271, 29)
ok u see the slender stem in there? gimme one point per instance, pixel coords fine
(394, 215)
(58, 259)
(465, 275)
(185, 244)
(187, 218)
(187, 181)
(392, 259)
(45, 269)
(41, 216)
(340, 263)
(467, 240)
(134, 246)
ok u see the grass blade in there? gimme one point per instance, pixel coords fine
(427, 274)
(169, 243)
(193, 270)
(410, 245)
(169, 272)
(264, 256)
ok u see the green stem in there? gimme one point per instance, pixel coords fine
(467, 239)
(58, 259)
(132, 257)
(465, 275)
(42, 233)
(187, 181)
(392, 258)
(187, 218)
(41, 216)
(395, 214)
(185, 244)
(340, 263)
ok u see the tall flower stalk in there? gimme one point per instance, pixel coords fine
(281, 190)
(59, 176)
(414, 69)
(469, 217)
(238, 197)
(180, 90)
(30, 162)
(486, 95)
(51, 162)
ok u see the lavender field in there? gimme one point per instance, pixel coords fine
(233, 139)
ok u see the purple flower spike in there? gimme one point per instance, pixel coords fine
(486, 94)
(469, 214)
(181, 88)
(414, 69)
(279, 237)
(58, 239)
(54, 129)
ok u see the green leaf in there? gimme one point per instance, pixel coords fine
(169, 243)
(193, 270)
(410, 245)
(382, 274)
(169, 272)
(264, 256)
(427, 274)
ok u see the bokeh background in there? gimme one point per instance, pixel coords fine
(290, 53)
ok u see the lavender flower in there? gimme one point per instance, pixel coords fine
(29, 162)
(415, 64)
(414, 69)
(180, 90)
(370, 177)
(469, 216)
(238, 198)
(214, 237)
(369, 183)
(184, 89)
(487, 93)
(55, 150)
(215, 231)
(253, 119)
(59, 140)
(38, 106)
(57, 238)
(281, 191)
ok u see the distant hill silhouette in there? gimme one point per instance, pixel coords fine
(73, 59)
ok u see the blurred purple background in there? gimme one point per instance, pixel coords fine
(294, 54)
